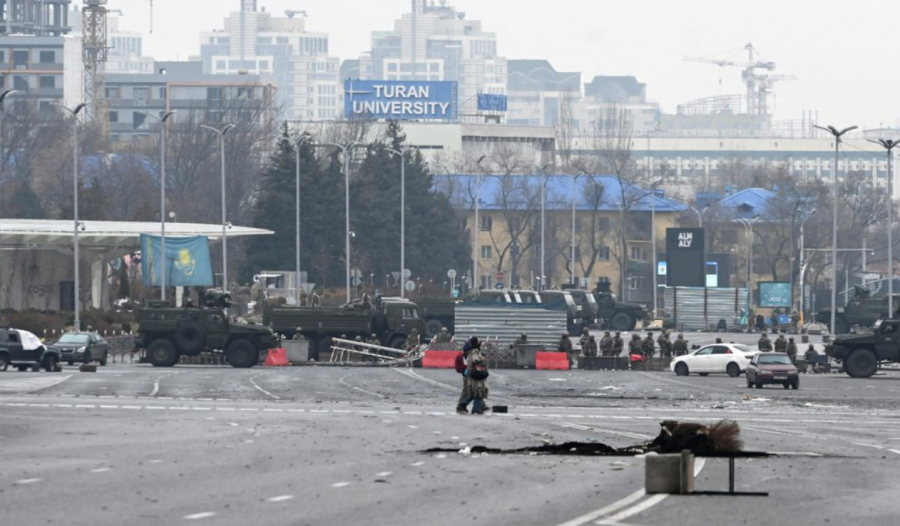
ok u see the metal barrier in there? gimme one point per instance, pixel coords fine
(505, 323)
(701, 308)
(343, 350)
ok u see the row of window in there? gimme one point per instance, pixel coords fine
(24, 82)
(21, 58)
(487, 223)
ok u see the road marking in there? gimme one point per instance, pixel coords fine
(156, 387)
(340, 484)
(204, 515)
(261, 390)
(384, 474)
(867, 445)
(417, 464)
(26, 481)
(31, 385)
(361, 390)
(637, 436)
(154, 461)
(894, 451)
(282, 498)
(100, 470)
(85, 406)
(109, 407)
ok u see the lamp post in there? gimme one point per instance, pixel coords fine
(543, 213)
(748, 224)
(162, 195)
(476, 227)
(346, 151)
(303, 139)
(653, 188)
(222, 133)
(574, 194)
(402, 154)
(3, 97)
(889, 144)
(803, 264)
(834, 221)
(75, 153)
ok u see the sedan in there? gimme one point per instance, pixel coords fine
(772, 368)
(83, 347)
(729, 358)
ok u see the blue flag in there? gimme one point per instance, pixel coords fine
(186, 262)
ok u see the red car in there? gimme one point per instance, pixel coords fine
(772, 368)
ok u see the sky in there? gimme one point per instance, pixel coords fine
(842, 53)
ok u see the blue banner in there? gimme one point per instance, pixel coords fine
(491, 102)
(400, 99)
(186, 261)
(774, 294)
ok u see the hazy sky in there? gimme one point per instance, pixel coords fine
(850, 82)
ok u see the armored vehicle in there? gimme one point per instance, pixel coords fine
(390, 319)
(861, 353)
(168, 332)
(616, 315)
(862, 310)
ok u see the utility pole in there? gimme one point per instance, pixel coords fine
(222, 133)
(889, 144)
(3, 97)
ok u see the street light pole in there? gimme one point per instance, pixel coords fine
(402, 154)
(3, 97)
(889, 144)
(162, 196)
(543, 208)
(803, 264)
(748, 224)
(347, 151)
(574, 194)
(221, 133)
(476, 227)
(303, 139)
(834, 221)
(75, 153)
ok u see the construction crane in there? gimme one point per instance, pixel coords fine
(95, 51)
(759, 84)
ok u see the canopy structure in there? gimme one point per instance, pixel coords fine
(36, 251)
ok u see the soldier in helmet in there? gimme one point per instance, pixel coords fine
(781, 344)
(298, 335)
(444, 336)
(680, 346)
(648, 347)
(584, 341)
(791, 350)
(764, 344)
(522, 340)
(565, 345)
(665, 346)
(373, 340)
(412, 341)
(618, 344)
(606, 344)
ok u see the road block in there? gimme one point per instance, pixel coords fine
(277, 358)
(552, 361)
(440, 359)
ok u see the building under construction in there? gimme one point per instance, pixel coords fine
(34, 17)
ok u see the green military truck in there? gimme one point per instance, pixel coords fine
(168, 332)
(614, 314)
(437, 314)
(862, 310)
(390, 319)
(860, 354)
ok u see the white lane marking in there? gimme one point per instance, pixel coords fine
(281, 498)
(867, 445)
(203, 515)
(100, 470)
(384, 474)
(155, 407)
(131, 407)
(556, 379)
(606, 510)
(154, 461)
(225, 409)
(340, 484)
(155, 390)
(26, 481)
(85, 406)
(894, 451)
(261, 390)
(417, 464)
(109, 407)
(361, 390)
(637, 436)
(413, 427)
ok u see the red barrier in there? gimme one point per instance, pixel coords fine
(638, 358)
(552, 361)
(277, 358)
(440, 359)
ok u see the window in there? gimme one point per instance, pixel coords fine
(20, 82)
(221, 64)
(603, 254)
(113, 116)
(137, 120)
(47, 57)
(638, 254)
(263, 64)
(162, 93)
(141, 96)
(48, 81)
(410, 313)
(486, 223)
(636, 283)
(112, 93)
(45, 106)
(485, 252)
(392, 67)
(20, 59)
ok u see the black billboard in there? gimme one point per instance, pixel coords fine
(685, 257)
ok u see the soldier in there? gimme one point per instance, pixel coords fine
(443, 337)
(665, 346)
(781, 344)
(618, 344)
(591, 347)
(680, 346)
(606, 344)
(764, 344)
(298, 335)
(565, 345)
(521, 340)
(373, 340)
(583, 341)
(412, 341)
(648, 348)
(792, 350)
(810, 355)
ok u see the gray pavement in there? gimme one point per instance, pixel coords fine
(340, 445)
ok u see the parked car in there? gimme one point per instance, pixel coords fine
(84, 347)
(729, 358)
(772, 368)
(24, 350)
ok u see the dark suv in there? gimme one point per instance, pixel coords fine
(83, 347)
(24, 350)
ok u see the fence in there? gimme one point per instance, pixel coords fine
(701, 308)
(505, 323)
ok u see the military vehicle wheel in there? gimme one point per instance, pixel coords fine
(189, 337)
(50, 363)
(4, 362)
(433, 328)
(841, 326)
(862, 363)
(733, 370)
(623, 322)
(162, 353)
(682, 369)
(241, 353)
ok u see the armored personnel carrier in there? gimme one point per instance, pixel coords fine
(862, 310)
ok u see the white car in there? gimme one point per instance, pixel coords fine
(729, 358)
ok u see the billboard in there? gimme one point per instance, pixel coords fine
(685, 257)
(400, 99)
(774, 294)
(491, 102)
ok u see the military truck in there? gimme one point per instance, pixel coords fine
(168, 332)
(391, 319)
(860, 354)
(437, 314)
(616, 315)
(862, 310)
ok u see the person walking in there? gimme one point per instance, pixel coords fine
(764, 344)
(810, 356)
(792, 351)
(462, 406)
(781, 344)
(680, 346)
(476, 389)
(606, 345)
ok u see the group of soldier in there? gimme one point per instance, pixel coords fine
(787, 346)
(615, 345)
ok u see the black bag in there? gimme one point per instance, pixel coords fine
(478, 372)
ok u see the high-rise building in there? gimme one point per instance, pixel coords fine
(125, 47)
(38, 18)
(437, 42)
(281, 51)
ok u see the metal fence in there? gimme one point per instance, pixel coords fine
(701, 308)
(505, 323)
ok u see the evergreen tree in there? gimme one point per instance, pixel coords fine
(24, 203)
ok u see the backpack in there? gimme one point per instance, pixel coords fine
(460, 363)
(479, 372)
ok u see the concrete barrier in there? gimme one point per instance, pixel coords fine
(552, 361)
(440, 359)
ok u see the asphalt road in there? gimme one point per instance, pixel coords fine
(136, 445)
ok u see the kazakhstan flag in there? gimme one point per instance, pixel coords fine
(186, 261)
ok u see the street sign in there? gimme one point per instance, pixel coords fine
(308, 287)
(406, 273)
(499, 285)
(451, 273)
(355, 273)
(256, 278)
(454, 293)
(410, 286)
(500, 276)
(396, 276)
